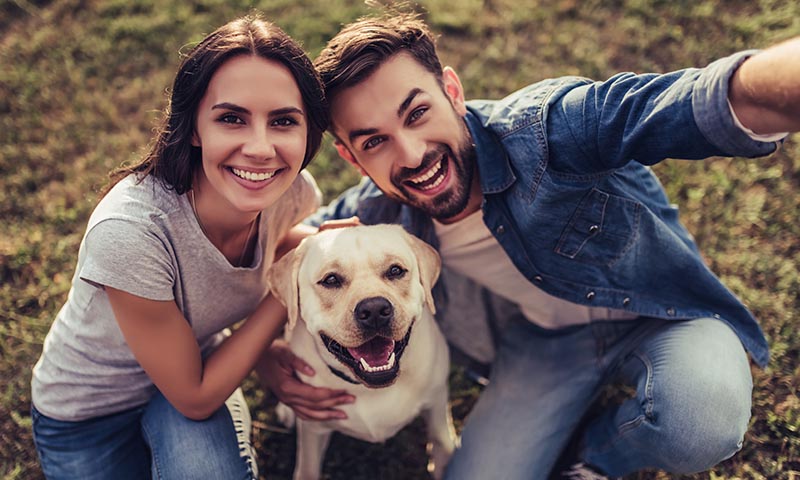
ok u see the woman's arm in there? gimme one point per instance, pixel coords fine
(165, 346)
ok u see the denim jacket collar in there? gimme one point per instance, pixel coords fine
(494, 165)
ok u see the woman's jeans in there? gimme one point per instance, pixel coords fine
(153, 441)
(690, 410)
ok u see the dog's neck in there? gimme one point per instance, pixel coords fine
(343, 376)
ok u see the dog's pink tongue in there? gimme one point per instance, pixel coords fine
(375, 352)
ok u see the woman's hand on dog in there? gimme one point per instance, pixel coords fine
(341, 223)
(277, 368)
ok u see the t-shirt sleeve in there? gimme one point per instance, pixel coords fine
(127, 256)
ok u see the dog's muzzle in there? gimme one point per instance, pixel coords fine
(375, 362)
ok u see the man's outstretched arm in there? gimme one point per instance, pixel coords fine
(765, 90)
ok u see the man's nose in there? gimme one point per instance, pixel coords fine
(259, 145)
(412, 151)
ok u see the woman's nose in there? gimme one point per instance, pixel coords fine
(259, 145)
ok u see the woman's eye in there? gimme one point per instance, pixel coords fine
(231, 118)
(331, 281)
(284, 122)
(395, 272)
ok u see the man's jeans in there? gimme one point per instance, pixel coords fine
(690, 410)
(154, 441)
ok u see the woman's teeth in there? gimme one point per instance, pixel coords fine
(253, 176)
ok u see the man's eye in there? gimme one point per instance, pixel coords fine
(395, 272)
(331, 280)
(417, 114)
(372, 142)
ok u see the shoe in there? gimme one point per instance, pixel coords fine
(582, 471)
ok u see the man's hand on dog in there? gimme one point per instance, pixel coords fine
(277, 368)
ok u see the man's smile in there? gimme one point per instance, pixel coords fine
(431, 177)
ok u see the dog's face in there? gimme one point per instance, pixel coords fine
(359, 291)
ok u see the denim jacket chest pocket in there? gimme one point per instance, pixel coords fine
(601, 229)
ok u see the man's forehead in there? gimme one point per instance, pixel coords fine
(385, 93)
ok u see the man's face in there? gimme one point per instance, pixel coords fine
(404, 130)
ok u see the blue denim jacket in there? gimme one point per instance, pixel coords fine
(569, 195)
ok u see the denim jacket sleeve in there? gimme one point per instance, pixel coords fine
(647, 118)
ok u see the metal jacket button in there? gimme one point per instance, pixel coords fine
(593, 229)
(671, 312)
(590, 296)
(501, 230)
(626, 301)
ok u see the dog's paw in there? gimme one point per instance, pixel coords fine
(285, 415)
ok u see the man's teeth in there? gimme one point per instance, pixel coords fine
(434, 170)
(253, 176)
(382, 368)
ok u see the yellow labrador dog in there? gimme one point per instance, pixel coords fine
(360, 313)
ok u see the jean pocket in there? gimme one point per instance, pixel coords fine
(602, 228)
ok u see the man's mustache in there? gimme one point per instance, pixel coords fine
(431, 156)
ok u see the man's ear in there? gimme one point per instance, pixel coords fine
(345, 153)
(454, 90)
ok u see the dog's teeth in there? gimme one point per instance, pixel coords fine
(390, 363)
(365, 365)
(368, 368)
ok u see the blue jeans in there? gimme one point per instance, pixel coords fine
(153, 441)
(690, 410)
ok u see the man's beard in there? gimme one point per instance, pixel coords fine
(448, 203)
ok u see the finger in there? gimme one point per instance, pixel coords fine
(341, 223)
(314, 395)
(299, 365)
(319, 415)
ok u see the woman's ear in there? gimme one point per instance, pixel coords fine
(454, 90)
(346, 154)
(195, 139)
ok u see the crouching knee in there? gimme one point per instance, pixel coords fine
(696, 432)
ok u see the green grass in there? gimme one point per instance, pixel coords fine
(82, 83)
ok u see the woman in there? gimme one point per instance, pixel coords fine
(134, 375)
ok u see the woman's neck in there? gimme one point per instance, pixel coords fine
(232, 232)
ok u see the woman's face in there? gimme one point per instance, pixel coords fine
(251, 129)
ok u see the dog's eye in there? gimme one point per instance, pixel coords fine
(331, 280)
(395, 272)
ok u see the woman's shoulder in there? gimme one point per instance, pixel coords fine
(137, 198)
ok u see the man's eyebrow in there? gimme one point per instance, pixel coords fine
(361, 132)
(409, 98)
(400, 111)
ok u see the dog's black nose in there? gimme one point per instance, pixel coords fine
(374, 313)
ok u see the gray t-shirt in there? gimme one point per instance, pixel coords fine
(144, 239)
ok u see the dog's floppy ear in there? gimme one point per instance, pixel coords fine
(429, 265)
(282, 281)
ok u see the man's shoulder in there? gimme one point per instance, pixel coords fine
(524, 106)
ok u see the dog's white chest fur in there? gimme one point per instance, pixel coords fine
(359, 303)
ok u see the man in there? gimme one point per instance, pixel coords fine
(545, 199)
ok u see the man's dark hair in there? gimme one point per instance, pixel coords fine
(363, 46)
